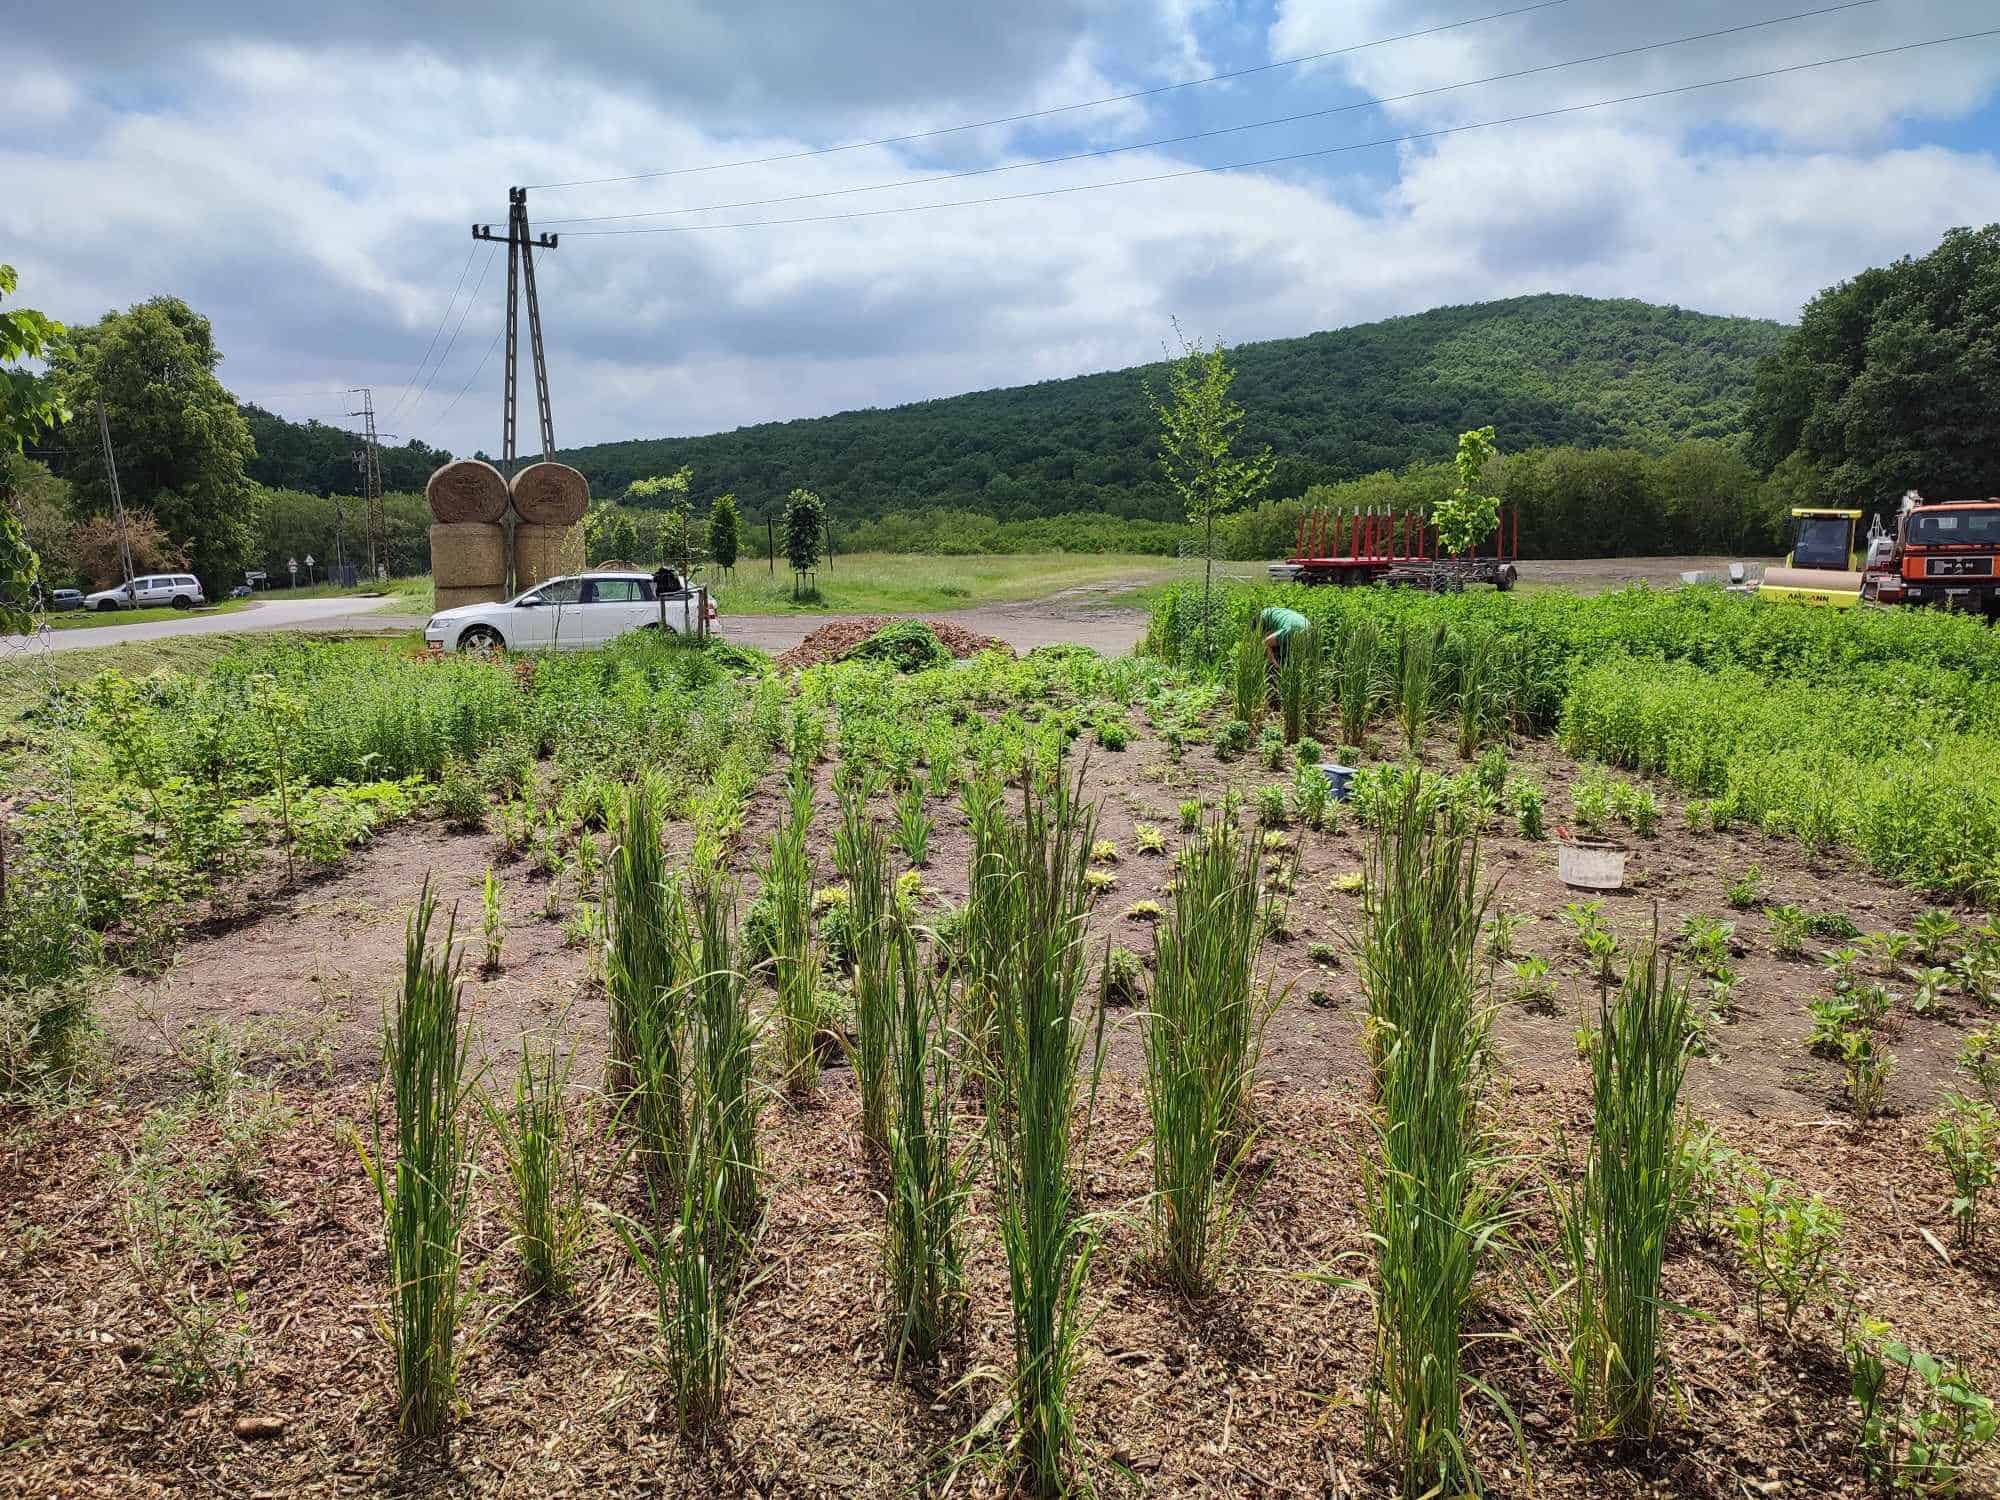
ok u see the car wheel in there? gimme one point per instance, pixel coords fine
(106, 606)
(181, 601)
(482, 638)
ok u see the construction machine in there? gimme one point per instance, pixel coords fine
(1945, 554)
(1822, 567)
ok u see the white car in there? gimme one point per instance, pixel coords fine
(154, 591)
(572, 614)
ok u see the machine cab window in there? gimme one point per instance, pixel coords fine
(1822, 542)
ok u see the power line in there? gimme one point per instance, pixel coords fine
(1057, 109)
(443, 318)
(463, 315)
(1202, 135)
(474, 376)
(1294, 156)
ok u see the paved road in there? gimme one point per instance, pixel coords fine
(274, 614)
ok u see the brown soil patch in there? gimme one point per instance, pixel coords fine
(1258, 1391)
(832, 642)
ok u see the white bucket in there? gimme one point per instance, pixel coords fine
(1591, 864)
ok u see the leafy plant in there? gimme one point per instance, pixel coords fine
(913, 828)
(1190, 813)
(1787, 1242)
(1934, 931)
(282, 714)
(1271, 812)
(1312, 797)
(1590, 800)
(1533, 986)
(1232, 739)
(1747, 890)
(1867, 1065)
(1979, 1056)
(1500, 930)
(1528, 811)
(458, 799)
(1148, 839)
(1922, 1423)
(1789, 930)
(1966, 1138)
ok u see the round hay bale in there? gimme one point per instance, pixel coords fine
(468, 555)
(467, 489)
(550, 495)
(444, 599)
(545, 552)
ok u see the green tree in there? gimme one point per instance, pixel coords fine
(28, 403)
(805, 533)
(181, 443)
(610, 533)
(1466, 518)
(724, 532)
(1891, 380)
(1199, 424)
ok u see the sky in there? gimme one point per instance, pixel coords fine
(308, 179)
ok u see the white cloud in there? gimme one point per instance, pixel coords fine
(315, 203)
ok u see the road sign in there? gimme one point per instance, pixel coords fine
(309, 562)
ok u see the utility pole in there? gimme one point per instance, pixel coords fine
(117, 499)
(369, 461)
(521, 248)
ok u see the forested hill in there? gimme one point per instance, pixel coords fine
(316, 458)
(1542, 370)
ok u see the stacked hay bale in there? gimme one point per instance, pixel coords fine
(549, 502)
(468, 500)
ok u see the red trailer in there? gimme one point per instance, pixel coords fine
(1399, 548)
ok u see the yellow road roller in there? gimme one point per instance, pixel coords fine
(1822, 567)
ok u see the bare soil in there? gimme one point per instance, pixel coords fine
(1259, 1390)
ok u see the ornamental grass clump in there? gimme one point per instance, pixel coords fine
(1299, 676)
(544, 1175)
(1031, 900)
(1202, 1035)
(645, 960)
(928, 1170)
(788, 881)
(871, 918)
(1431, 1207)
(1359, 679)
(425, 1184)
(1613, 1222)
(1416, 655)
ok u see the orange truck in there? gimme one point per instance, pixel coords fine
(1946, 555)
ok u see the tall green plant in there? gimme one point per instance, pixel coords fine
(1615, 1220)
(1431, 1207)
(1252, 681)
(1359, 679)
(1480, 700)
(1416, 656)
(546, 1211)
(1299, 677)
(871, 911)
(788, 881)
(645, 960)
(724, 1087)
(1202, 1037)
(928, 1172)
(1199, 424)
(425, 1191)
(1038, 897)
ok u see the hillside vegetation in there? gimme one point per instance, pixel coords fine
(1544, 370)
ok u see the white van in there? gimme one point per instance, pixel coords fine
(154, 591)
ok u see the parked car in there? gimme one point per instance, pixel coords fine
(154, 591)
(59, 600)
(573, 613)
(241, 591)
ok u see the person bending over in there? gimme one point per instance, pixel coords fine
(1279, 627)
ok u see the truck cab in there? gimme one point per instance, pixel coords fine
(1949, 555)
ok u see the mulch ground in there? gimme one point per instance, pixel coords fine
(832, 642)
(1257, 1390)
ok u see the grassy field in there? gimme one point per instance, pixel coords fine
(886, 583)
(91, 619)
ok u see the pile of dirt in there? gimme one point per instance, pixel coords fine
(831, 642)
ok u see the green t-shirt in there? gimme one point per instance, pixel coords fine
(1283, 623)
